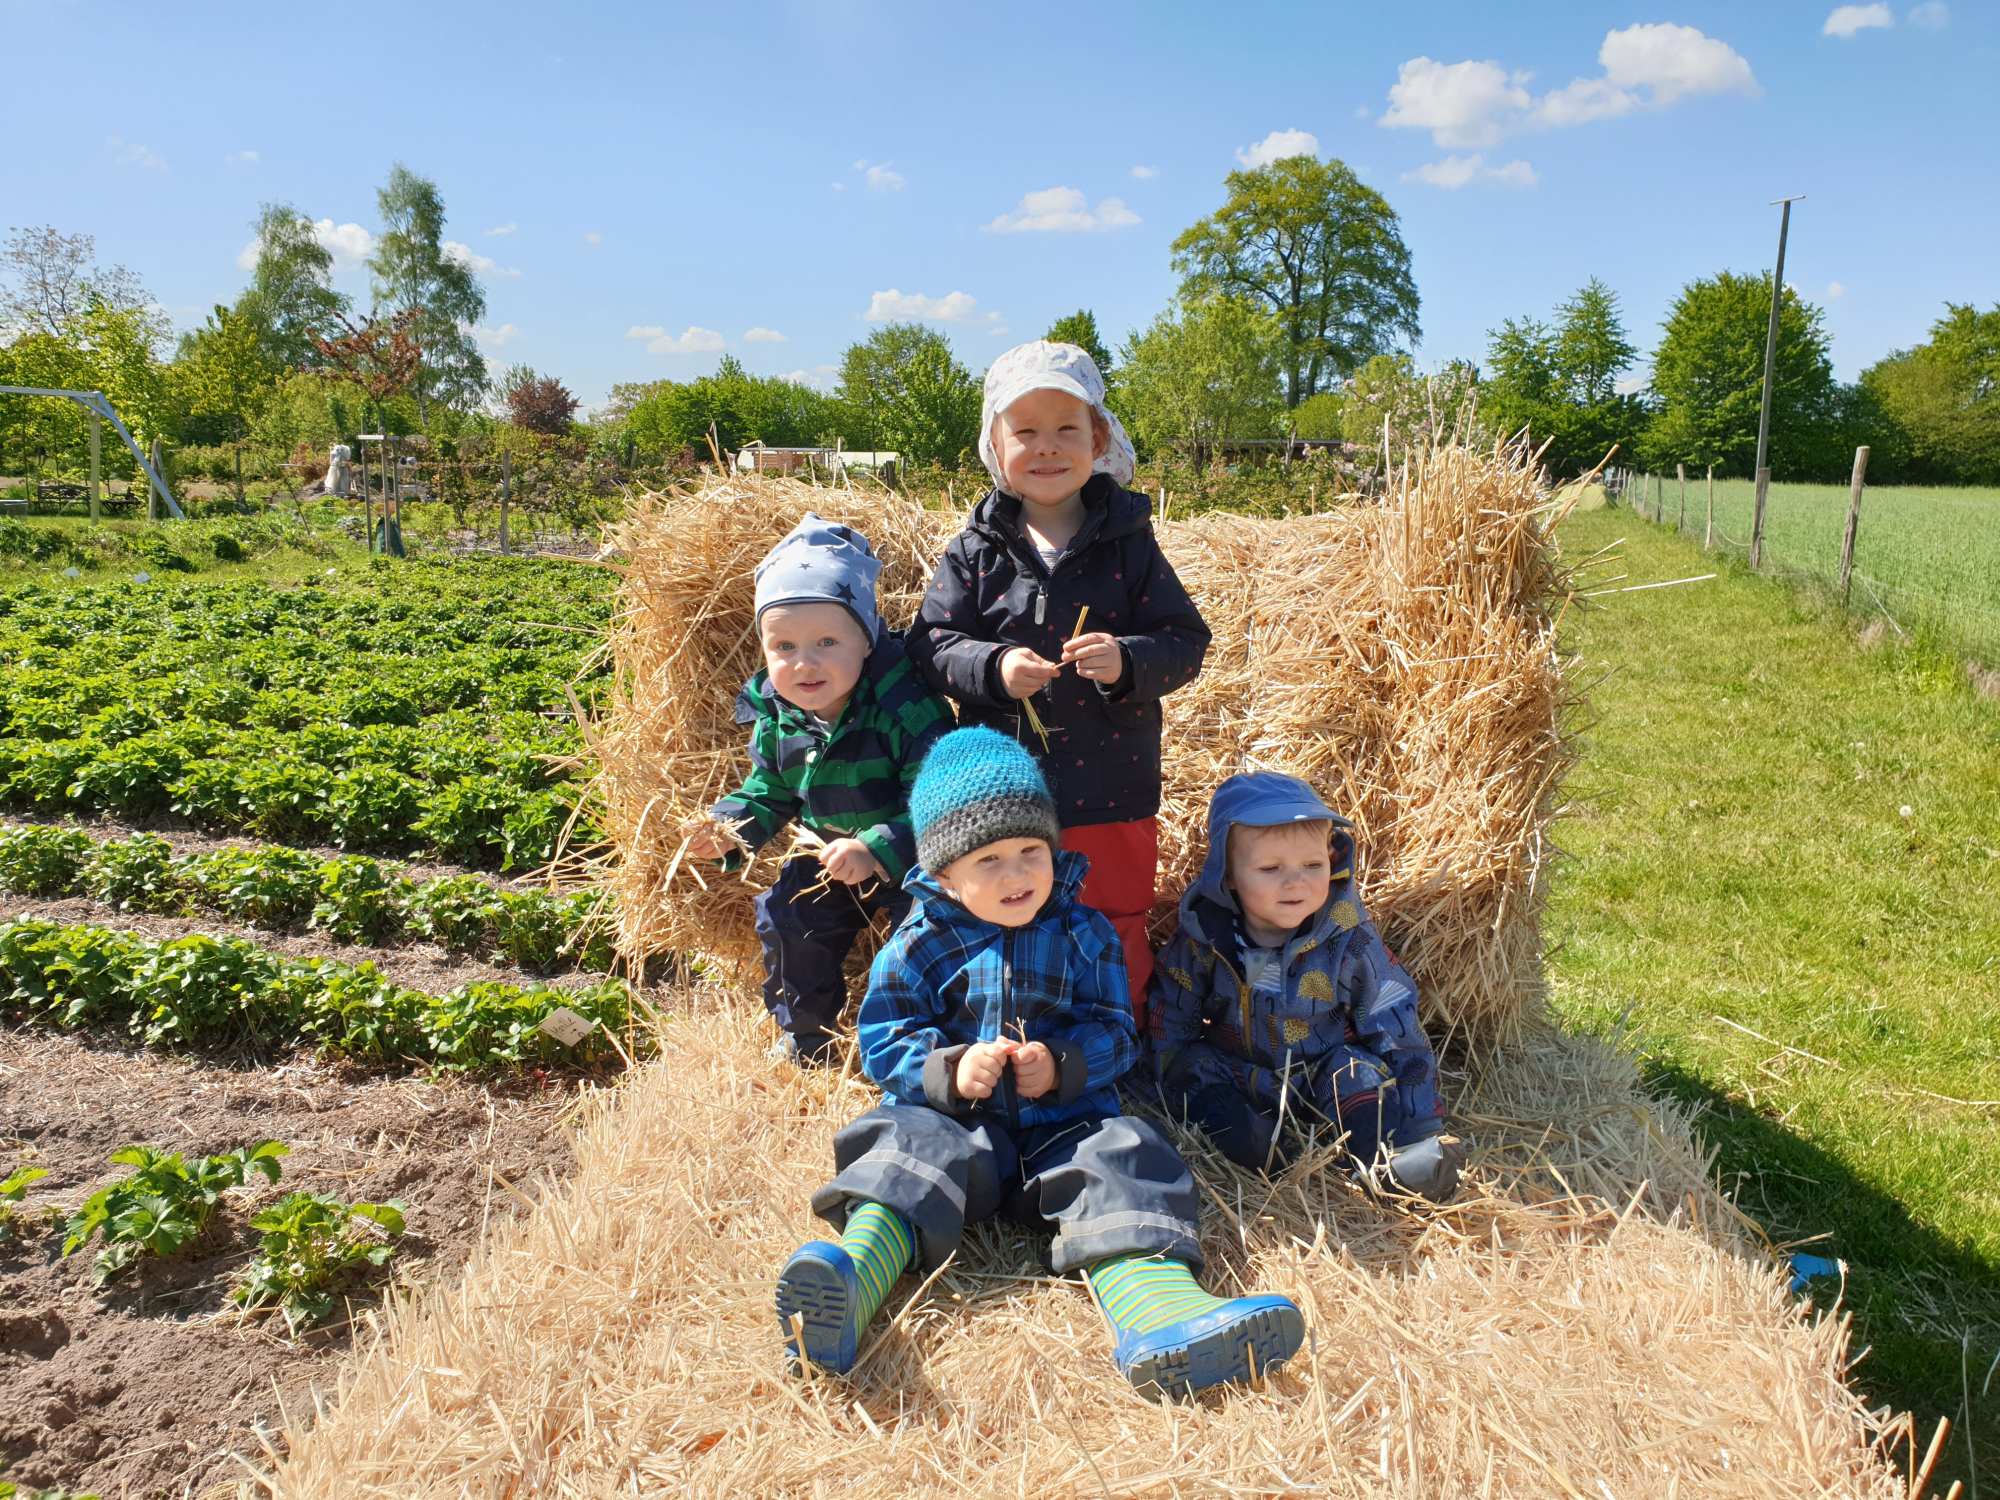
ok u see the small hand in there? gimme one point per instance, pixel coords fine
(1096, 656)
(708, 839)
(848, 861)
(980, 1067)
(1034, 1070)
(1023, 672)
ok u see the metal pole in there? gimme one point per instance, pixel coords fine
(1853, 522)
(1708, 533)
(1764, 410)
(96, 465)
(506, 493)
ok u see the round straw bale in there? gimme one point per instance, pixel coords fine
(1399, 655)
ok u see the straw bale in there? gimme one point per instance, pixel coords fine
(1400, 655)
(1584, 1322)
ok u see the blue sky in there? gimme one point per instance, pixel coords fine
(644, 186)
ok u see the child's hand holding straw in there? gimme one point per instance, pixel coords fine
(1097, 657)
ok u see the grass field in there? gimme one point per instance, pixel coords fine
(1930, 557)
(1784, 885)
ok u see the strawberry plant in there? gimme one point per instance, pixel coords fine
(164, 1203)
(373, 806)
(137, 874)
(314, 1244)
(37, 861)
(458, 912)
(13, 1189)
(360, 900)
(269, 887)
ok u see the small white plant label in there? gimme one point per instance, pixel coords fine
(566, 1026)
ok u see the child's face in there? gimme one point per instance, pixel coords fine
(814, 653)
(1046, 442)
(1004, 882)
(1280, 874)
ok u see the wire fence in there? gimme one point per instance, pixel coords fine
(1925, 560)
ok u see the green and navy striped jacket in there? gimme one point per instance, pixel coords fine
(848, 780)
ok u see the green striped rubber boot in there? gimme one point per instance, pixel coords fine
(827, 1293)
(1174, 1339)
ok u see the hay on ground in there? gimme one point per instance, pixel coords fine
(1400, 655)
(1563, 1330)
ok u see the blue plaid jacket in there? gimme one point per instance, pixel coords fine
(946, 979)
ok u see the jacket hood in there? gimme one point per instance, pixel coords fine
(1256, 799)
(942, 908)
(1109, 511)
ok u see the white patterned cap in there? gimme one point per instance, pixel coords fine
(1043, 366)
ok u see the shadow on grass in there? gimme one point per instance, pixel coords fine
(1926, 1310)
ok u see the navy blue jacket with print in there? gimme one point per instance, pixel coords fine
(850, 779)
(991, 592)
(947, 979)
(1341, 988)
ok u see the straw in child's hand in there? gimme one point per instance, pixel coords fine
(1081, 616)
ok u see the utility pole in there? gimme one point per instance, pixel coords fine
(1764, 411)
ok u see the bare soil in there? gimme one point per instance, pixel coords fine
(155, 1385)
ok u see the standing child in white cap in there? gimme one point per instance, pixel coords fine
(1055, 607)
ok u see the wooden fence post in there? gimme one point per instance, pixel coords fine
(96, 465)
(1708, 532)
(1757, 518)
(1853, 522)
(506, 493)
(1659, 498)
(1681, 472)
(159, 468)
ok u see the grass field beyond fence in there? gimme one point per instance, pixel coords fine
(1930, 558)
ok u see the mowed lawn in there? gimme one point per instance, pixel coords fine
(1783, 885)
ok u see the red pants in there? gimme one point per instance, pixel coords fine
(1124, 858)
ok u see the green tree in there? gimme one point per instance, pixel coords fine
(1322, 251)
(50, 280)
(1388, 393)
(290, 299)
(1560, 382)
(1080, 329)
(222, 372)
(740, 406)
(413, 273)
(1205, 371)
(1708, 376)
(1318, 416)
(901, 388)
(1940, 401)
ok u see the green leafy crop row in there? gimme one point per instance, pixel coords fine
(352, 897)
(208, 991)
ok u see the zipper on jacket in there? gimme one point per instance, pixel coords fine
(1041, 606)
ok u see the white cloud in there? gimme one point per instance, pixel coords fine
(692, 341)
(1062, 210)
(819, 376)
(1932, 15)
(880, 176)
(1674, 62)
(242, 158)
(762, 336)
(1631, 385)
(953, 307)
(495, 338)
(502, 229)
(1276, 146)
(1145, 174)
(349, 244)
(1460, 104)
(592, 238)
(132, 154)
(473, 261)
(1835, 290)
(1462, 171)
(1477, 104)
(1846, 20)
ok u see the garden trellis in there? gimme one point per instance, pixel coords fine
(101, 410)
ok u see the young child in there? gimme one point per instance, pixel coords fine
(1278, 988)
(839, 722)
(1057, 591)
(997, 1022)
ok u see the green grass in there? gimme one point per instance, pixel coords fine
(1931, 557)
(1774, 831)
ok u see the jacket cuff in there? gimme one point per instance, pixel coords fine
(940, 1071)
(1072, 1072)
(1124, 686)
(996, 690)
(880, 841)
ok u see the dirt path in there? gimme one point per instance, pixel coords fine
(149, 1387)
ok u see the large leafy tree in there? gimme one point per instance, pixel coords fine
(1080, 329)
(739, 406)
(222, 372)
(1322, 251)
(1708, 377)
(49, 281)
(902, 388)
(414, 275)
(536, 402)
(1206, 370)
(1940, 401)
(1560, 381)
(290, 300)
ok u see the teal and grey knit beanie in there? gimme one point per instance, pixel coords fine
(977, 786)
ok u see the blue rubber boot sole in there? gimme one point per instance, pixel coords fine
(820, 1287)
(1239, 1340)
